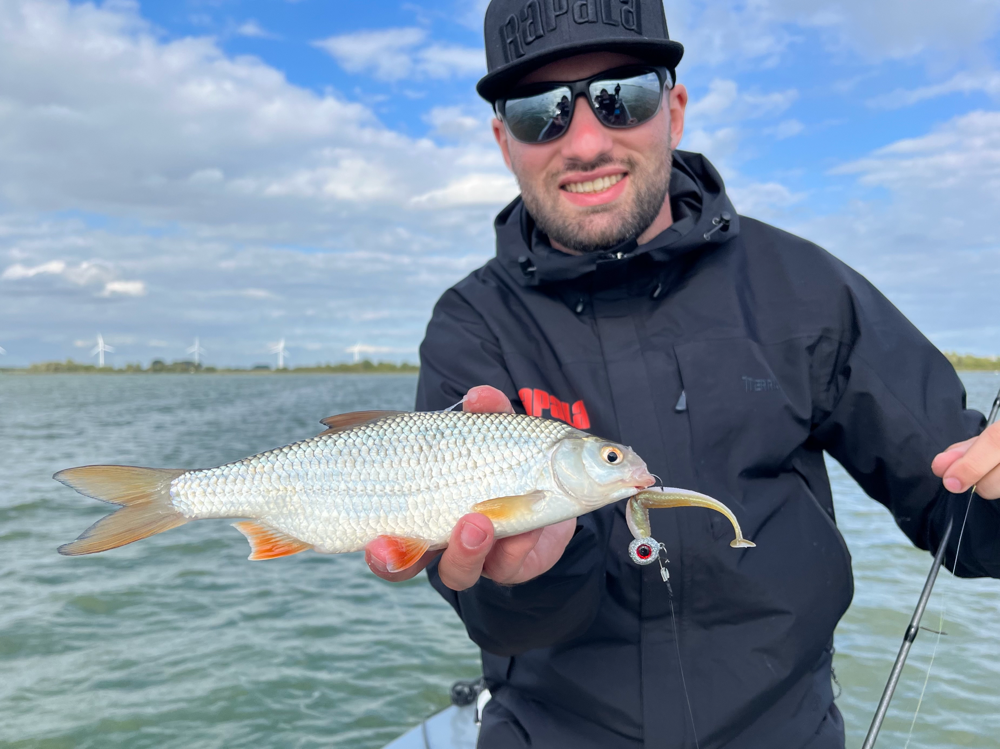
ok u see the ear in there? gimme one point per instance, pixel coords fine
(678, 104)
(500, 133)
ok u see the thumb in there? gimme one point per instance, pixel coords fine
(484, 399)
(462, 561)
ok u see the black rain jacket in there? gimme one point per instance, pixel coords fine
(730, 355)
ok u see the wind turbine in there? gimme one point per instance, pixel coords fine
(356, 349)
(100, 348)
(197, 350)
(279, 349)
(3, 350)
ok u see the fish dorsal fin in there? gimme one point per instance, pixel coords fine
(267, 542)
(340, 422)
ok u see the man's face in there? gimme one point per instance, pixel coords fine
(631, 167)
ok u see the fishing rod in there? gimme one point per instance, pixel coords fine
(914, 627)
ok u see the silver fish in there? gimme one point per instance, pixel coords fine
(407, 477)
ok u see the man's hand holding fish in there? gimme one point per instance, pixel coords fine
(472, 550)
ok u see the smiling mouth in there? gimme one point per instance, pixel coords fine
(594, 186)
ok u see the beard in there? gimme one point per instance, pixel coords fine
(603, 227)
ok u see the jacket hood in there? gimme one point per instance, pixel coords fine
(703, 216)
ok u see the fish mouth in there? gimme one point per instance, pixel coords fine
(642, 480)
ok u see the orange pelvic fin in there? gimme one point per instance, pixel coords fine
(402, 552)
(340, 422)
(509, 508)
(143, 493)
(268, 543)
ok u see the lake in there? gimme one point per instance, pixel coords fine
(178, 641)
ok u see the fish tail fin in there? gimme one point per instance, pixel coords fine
(144, 496)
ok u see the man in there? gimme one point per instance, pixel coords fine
(628, 298)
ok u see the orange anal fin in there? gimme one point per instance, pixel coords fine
(402, 552)
(268, 543)
(509, 508)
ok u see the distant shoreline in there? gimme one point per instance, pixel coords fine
(186, 367)
(969, 363)
(961, 362)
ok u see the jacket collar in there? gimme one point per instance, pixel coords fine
(700, 208)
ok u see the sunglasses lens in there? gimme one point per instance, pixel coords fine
(539, 118)
(626, 102)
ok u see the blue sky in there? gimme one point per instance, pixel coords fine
(246, 171)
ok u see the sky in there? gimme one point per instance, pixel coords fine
(250, 171)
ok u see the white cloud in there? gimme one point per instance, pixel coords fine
(763, 200)
(470, 13)
(455, 123)
(254, 30)
(785, 129)
(387, 53)
(146, 130)
(758, 32)
(961, 83)
(956, 163)
(450, 60)
(123, 288)
(85, 273)
(17, 271)
(714, 122)
(237, 297)
(720, 145)
(400, 53)
(476, 189)
(725, 102)
(926, 237)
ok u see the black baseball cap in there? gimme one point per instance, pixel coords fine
(522, 35)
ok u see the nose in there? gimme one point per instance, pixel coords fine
(587, 139)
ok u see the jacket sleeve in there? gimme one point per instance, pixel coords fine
(894, 403)
(459, 352)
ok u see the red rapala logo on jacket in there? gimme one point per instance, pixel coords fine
(536, 402)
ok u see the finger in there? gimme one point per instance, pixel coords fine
(462, 562)
(507, 556)
(982, 457)
(376, 554)
(989, 485)
(484, 399)
(943, 461)
(549, 550)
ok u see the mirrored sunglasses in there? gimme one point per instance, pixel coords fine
(620, 98)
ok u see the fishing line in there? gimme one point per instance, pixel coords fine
(937, 640)
(662, 557)
(944, 600)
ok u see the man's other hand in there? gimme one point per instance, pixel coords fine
(472, 551)
(975, 462)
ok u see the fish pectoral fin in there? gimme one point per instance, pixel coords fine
(268, 543)
(509, 508)
(340, 422)
(402, 552)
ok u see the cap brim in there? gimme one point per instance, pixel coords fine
(656, 51)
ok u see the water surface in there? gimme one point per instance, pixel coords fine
(180, 642)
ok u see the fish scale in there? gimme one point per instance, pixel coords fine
(408, 474)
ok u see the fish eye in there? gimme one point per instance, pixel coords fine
(612, 455)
